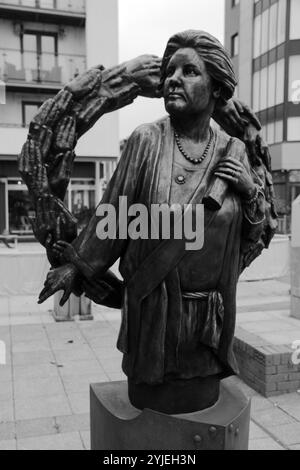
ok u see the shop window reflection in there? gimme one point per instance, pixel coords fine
(20, 210)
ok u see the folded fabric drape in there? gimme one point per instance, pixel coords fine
(211, 333)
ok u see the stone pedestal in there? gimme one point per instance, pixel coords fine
(117, 425)
(74, 306)
(295, 259)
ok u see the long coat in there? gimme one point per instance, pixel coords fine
(152, 269)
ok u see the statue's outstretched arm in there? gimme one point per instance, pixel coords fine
(47, 156)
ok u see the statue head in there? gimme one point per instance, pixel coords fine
(217, 63)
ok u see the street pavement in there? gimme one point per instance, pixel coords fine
(44, 385)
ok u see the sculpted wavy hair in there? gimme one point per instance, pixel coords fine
(210, 50)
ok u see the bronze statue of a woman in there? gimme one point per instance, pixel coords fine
(179, 306)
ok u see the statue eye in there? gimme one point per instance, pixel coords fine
(189, 70)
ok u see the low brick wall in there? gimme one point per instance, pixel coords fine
(266, 368)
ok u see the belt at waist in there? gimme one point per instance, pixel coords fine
(196, 295)
(212, 329)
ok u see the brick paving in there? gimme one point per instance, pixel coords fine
(44, 386)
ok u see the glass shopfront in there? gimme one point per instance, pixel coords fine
(82, 196)
(20, 208)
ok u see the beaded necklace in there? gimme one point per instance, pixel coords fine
(190, 159)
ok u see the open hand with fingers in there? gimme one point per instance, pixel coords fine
(233, 171)
(53, 222)
(59, 173)
(32, 169)
(65, 251)
(145, 71)
(85, 83)
(234, 117)
(62, 278)
(53, 109)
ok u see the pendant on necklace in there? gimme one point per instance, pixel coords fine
(180, 179)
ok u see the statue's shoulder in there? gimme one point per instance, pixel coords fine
(151, 129)
(224, 139)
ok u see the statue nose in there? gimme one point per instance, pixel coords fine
(175, 79)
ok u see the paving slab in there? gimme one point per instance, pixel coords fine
(32, 371)
(33, 357)
(264, 444)
(6, 411)
(66, 441)
(7, 430)
(27, 346)
(74, 422)
(38, 387)
(35, 427)
(256, 432)
(10, 444)
(77, 384)
(42, 407)
(86, 438)
(289, 434)
(79, 402)
(271, 417)
(5, 390)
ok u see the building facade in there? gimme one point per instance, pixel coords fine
(43, 45)
(263, 37)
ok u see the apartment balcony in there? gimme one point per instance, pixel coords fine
(46, 72)
(68, 12)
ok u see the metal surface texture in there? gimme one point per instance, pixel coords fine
(117, 425)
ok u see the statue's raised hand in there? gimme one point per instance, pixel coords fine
(53, 109)
(85, 83)
(53, 222)
(60, 159)
(234, 117)
(62, 278)
(32, 169)
(145, 71)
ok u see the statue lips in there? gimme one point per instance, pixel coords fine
(174, 96)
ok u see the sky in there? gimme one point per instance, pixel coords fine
(145, 27)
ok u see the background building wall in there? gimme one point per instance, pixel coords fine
(82, 38)
(268, 67)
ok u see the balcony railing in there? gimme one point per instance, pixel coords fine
(30, 68)
(72, 6)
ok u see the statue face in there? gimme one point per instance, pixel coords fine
(188, 87)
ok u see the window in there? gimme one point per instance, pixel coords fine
(80, 200)
(39, 51)
(264, 31)
(281, 21)
(279, 82)
(270, 133)
(257, 36)
(294, 22)
(294, 78)
(29, 110)
(293, 126)
(47, 4)
(271, 85)
(268, 86)
(278, 131)
(20, 208)
(256, 91)
(273, 26)
(234, 45)
(263, 88)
